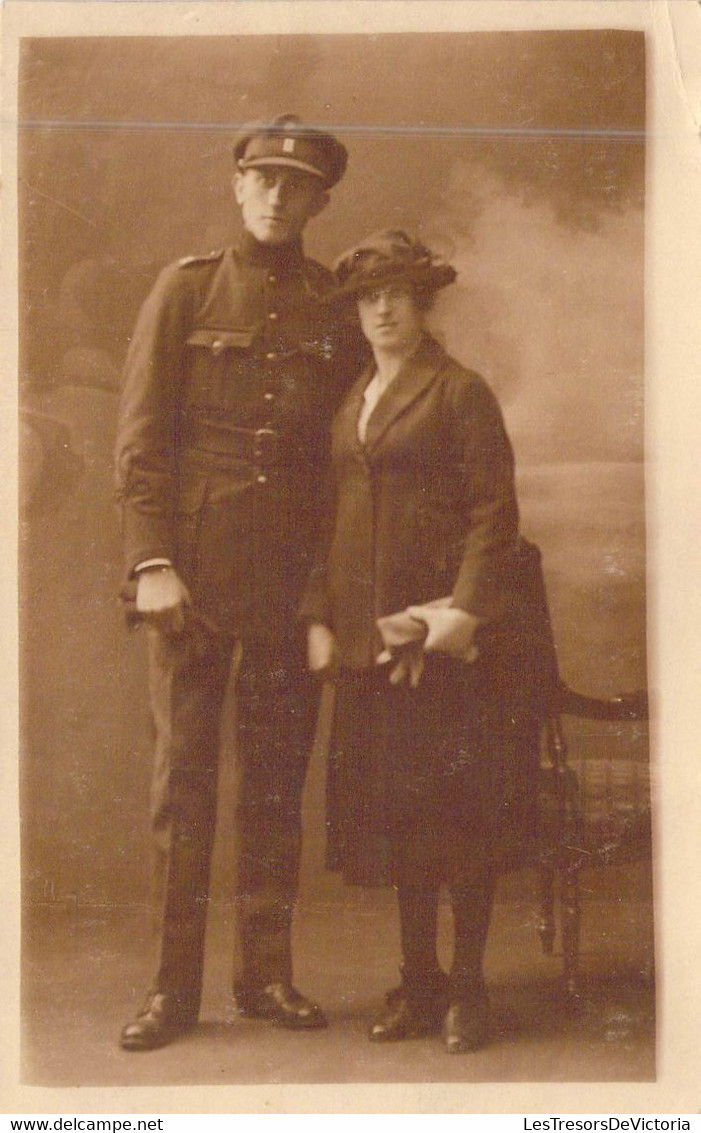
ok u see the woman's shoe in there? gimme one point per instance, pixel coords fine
(466, 1026)
(437, 981)
(407, 1019)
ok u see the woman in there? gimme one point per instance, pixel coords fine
(407, 606)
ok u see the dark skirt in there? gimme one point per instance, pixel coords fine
(439, 772)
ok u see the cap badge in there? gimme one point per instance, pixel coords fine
(288, 145)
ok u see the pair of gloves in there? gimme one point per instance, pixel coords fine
(407, 637)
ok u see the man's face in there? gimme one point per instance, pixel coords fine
(276, 202)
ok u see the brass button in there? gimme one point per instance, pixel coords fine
(272, 279)
(271, 355)
(272, 315)
(217, 346)
(262, 479)
(269, 396)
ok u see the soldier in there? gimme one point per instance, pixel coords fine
(221, 449)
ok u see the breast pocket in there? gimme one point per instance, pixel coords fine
(218, 341)
(216, 354)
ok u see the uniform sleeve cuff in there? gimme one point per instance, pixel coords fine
(148, 563)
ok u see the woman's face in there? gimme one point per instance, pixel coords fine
(390, 319)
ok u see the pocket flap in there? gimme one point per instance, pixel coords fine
(220, 340)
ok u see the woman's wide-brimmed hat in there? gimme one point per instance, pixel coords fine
(388, 257)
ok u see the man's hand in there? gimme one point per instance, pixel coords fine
(450, 631)
(161, 598)
(321, 650)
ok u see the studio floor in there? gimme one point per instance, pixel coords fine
(85, 971)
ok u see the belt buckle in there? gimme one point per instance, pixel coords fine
(265, 446)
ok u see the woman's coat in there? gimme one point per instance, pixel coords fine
(426, 507)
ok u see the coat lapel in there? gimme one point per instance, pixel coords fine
(347, 420)
(415, 375)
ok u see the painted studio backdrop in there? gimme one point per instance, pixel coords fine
(521, 155)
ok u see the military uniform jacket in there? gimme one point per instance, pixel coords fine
(223, 431)
(425, 508)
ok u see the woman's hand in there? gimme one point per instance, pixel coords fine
(449, 630)
(407, 663)
(321, 650)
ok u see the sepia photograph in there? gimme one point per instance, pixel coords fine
(334, 579)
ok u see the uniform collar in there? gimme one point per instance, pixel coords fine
(283, 257)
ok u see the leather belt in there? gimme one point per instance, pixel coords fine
(255, 446)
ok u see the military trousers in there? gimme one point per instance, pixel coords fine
(276, 710)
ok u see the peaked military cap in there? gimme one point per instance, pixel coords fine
(287, 141)
(387, 257)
